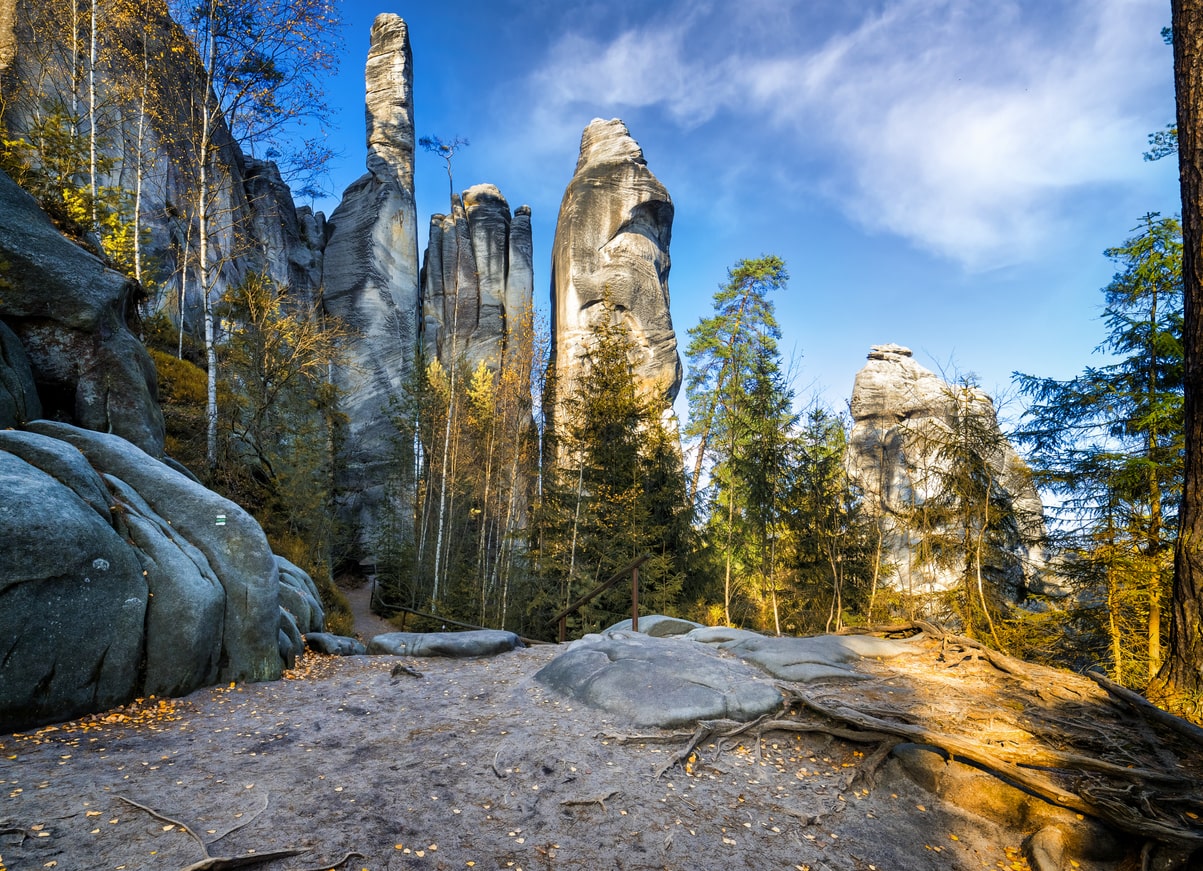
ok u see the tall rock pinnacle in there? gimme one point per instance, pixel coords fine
(611, 245)
(477, 279)
(371, 282)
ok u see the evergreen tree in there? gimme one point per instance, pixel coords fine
(829, 541)
(619, 492)
(1109, 444)
(739, 408)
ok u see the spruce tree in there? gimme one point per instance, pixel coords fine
(1108, 444)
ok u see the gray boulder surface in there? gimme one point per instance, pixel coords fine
(334, 645)
(230, 539)
(122, 577)
(803, 659)
(371, 274)
(477, 279)
(72, 600)
(472, 642)
(185, 617)
(300, 597)
(69, 312)
(661, 682)
(18, 394)
(902, 417)
(657, 625)
(612, 245)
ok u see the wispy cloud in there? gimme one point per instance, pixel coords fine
(960, 125)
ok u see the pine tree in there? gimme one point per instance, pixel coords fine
(732, 357)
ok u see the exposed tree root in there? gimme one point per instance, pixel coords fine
(1185, 728)
(224, 863)
(1044, 732)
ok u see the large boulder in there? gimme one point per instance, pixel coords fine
(816, 657)
(69, 311)
(72, 596)
(477, 280)
(663, 682)
(371, 284)
(231, 541)
(905, 421)
(123, 577)
(611, 259)
(473, 642)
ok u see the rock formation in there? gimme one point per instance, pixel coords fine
(253, 223)
(123, 577)
(69, 313)
(611, 247)
(478, 280)
(903, 419)
(371, 281)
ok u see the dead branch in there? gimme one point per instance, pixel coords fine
(154, 813)
(661, 738)
(597, 799)
(326, 866)
(225, 863)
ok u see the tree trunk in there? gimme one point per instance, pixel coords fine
(94, 189)
(1179, 684)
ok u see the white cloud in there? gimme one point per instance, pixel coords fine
(960, 125)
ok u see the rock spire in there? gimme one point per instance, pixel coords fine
(612, 246)
(371, 281)
(478, 280)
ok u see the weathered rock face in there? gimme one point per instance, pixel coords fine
(253, 223)
(371, 282)
(903, 423)
(124, 578)
(611, 246)
(69, 313)
(478, 280)
(19, 401)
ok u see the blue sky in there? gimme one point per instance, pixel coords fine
(943, 174)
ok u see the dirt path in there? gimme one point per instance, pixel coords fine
(476, 765)
(473, 765)
(367, 624)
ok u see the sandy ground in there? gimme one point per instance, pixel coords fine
(474, 764)
(471, 765)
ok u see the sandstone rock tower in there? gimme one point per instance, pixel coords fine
(903, 418)
(611, 245)
(371, 279)
(479, 261)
